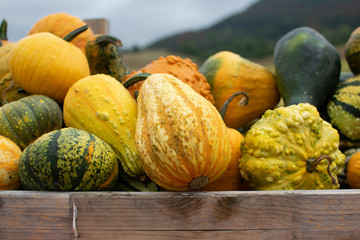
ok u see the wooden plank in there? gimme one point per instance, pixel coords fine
(99, 25)
(35, 215)
(328, 214)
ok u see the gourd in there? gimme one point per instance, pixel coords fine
(133, 184)
(230, 180)
(344, 108)
(104, 56)
(60, 24)
(181, 68)
(99, 104)
(26, 119)
(291, 148)
(9, 160)
(227, 73)
(307, 67)
(68, 159)
(9, 90)
(3, 33)
(353, 171)
(181, 137)
(352, 51)
(61, 64)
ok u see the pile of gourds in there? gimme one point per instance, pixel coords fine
(75, 118)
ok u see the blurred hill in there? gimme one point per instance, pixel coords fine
(254, 32)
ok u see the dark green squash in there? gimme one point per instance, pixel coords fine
(344, 108)
(68, 159)
(103, 55)
(307, 67)
(28, 118)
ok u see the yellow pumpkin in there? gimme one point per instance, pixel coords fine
(60, 24)
(9, 161)
(46, 64)
(181, 137)
(353, 171)
(227, 73)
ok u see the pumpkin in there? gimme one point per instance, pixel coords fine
(104, 56)
(344, 108)
(181, 68)
(352, 51)
(353, 171)
(45, 64)
(9, 160)
(3, 33)
(60, 24)
(181, 137)
(28, 118)
(68, 159)
(291, 148)
(100, 104)
(307, 67)
(228, 72)
(9, 90)
(230, 180)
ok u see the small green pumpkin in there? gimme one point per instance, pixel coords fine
(28, 118)
(68, 159)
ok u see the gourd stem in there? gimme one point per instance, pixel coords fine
(226, 103)
(3, 99)
(3, 30)
(75, 33)
(104, 40)
(312, 163)
(136, 78)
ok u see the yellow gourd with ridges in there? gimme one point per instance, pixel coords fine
(181, 137)
(99, 104)
(287, 148)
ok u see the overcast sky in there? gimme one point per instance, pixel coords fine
(135, 22)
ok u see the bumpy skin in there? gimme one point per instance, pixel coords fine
(344, 108)
(68, 160)
(277, 147)
(100, 104)
(181, 68)
(28, 118)
(179, 134)
(9, 161)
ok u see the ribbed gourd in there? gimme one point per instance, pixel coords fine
(180, 136)
(344, 108)
(68, 159)
(26, 119)
(9, 164)
(101, 105)
(291, 148)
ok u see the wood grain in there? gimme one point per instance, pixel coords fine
(327, 214)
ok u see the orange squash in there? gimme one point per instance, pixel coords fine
(9, 161)
(227, 73)
(60, 24)
(181, 68)
(353, 171)
(181, 137)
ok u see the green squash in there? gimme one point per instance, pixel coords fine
(68, 159)
(352, 51)
(344, 108)
(26, 119)
(307, 67)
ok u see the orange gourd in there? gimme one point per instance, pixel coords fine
(9, 161)
(60, 24)
(181, 68)
(353, 171)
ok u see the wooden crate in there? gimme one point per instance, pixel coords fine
(327, 214)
